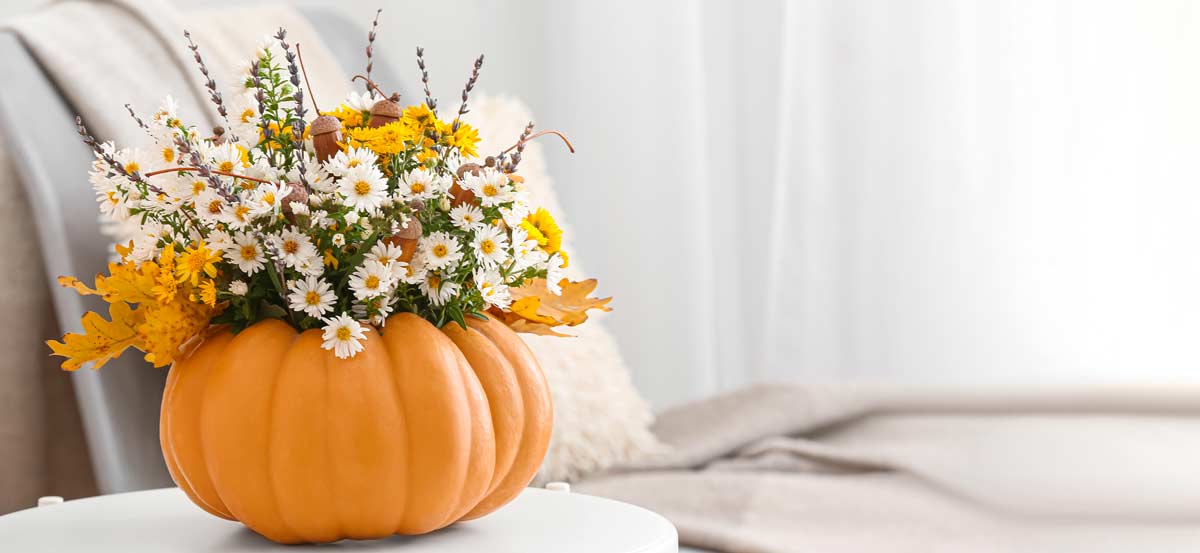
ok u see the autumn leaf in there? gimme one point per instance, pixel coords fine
(102, 339)
(536, 310)
(78, 286)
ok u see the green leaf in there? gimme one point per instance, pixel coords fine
(271, 311)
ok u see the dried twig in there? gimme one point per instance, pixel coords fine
(214, 182)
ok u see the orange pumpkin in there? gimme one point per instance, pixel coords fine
(422, 428)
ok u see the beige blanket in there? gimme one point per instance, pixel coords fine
(784, 468)
(102, 55)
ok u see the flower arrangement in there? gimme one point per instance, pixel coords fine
(334, 224)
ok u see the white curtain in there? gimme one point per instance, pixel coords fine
(941, 191)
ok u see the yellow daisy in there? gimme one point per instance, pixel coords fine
(195, 261)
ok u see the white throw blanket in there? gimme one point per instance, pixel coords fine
(781, 468)
(102, 55)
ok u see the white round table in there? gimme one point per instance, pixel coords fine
(539, 521)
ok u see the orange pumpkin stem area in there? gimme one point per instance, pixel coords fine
(423, 428)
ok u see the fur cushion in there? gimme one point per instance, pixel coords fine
(599, 418)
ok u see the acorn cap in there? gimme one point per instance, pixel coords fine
(410, 232)
(325, 124)
(386, 108)
(474, 168)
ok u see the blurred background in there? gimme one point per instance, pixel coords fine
(963, 232)
(920, 191)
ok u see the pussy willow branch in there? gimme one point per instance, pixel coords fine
(209, 83)
(429, 101)
(185, 149)
(462, 110)
(371, 48)
(109, 159)
(300, 111)
(511, 166)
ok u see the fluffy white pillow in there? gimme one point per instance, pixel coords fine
(599, 418)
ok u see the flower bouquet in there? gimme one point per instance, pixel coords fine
(337, 299)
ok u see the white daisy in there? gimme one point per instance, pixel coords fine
(413, 272)
(556, 267)
(420, 184)
(371, 279)
(342, 162)
(387, 255)
(490, 246)
(343, 335)
(247, 253)
(168, 112)
(219, 240)
(267, 198)
(312, 296)
(239, 288)
(243, 116)
(490, 186)
(467, 217)
(438, 290)
(514, 215)
(492, 288)
(361, 101)
(363, 187)
(440, 250)
(338, 240)
(294, 247)
(211, 207)
(227, 156)
(525, 250)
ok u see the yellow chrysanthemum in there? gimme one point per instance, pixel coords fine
(540, 226)
(388, 139)
(168, 327)
(349, 116)
(195, 261)
(465, 138)
(208, 293)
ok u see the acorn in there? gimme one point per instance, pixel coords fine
(296, 193)
(407, 239)
(458, 194)
(385, 111)
(326, 132)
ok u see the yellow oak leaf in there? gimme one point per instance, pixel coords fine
(102, 339)
(78, 286)
(536, 305)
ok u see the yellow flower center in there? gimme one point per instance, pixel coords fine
(197, 187)
(247, 115)
(353, 162)
(434, 281)
(362, 188)
(241, 212)
(343, 333)
(372, 282)
(441, 250)
(269, 198)
(131, 167)
(291, 246)
(417, 187)
(226, 166)
(490, 190)
(487, 246)
(196, 262)
(168, 155)
(214, 207)
(249, 253)
(313, 298)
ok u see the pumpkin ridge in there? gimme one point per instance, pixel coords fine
(168, 436)
(269, 423)
(402, 508)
